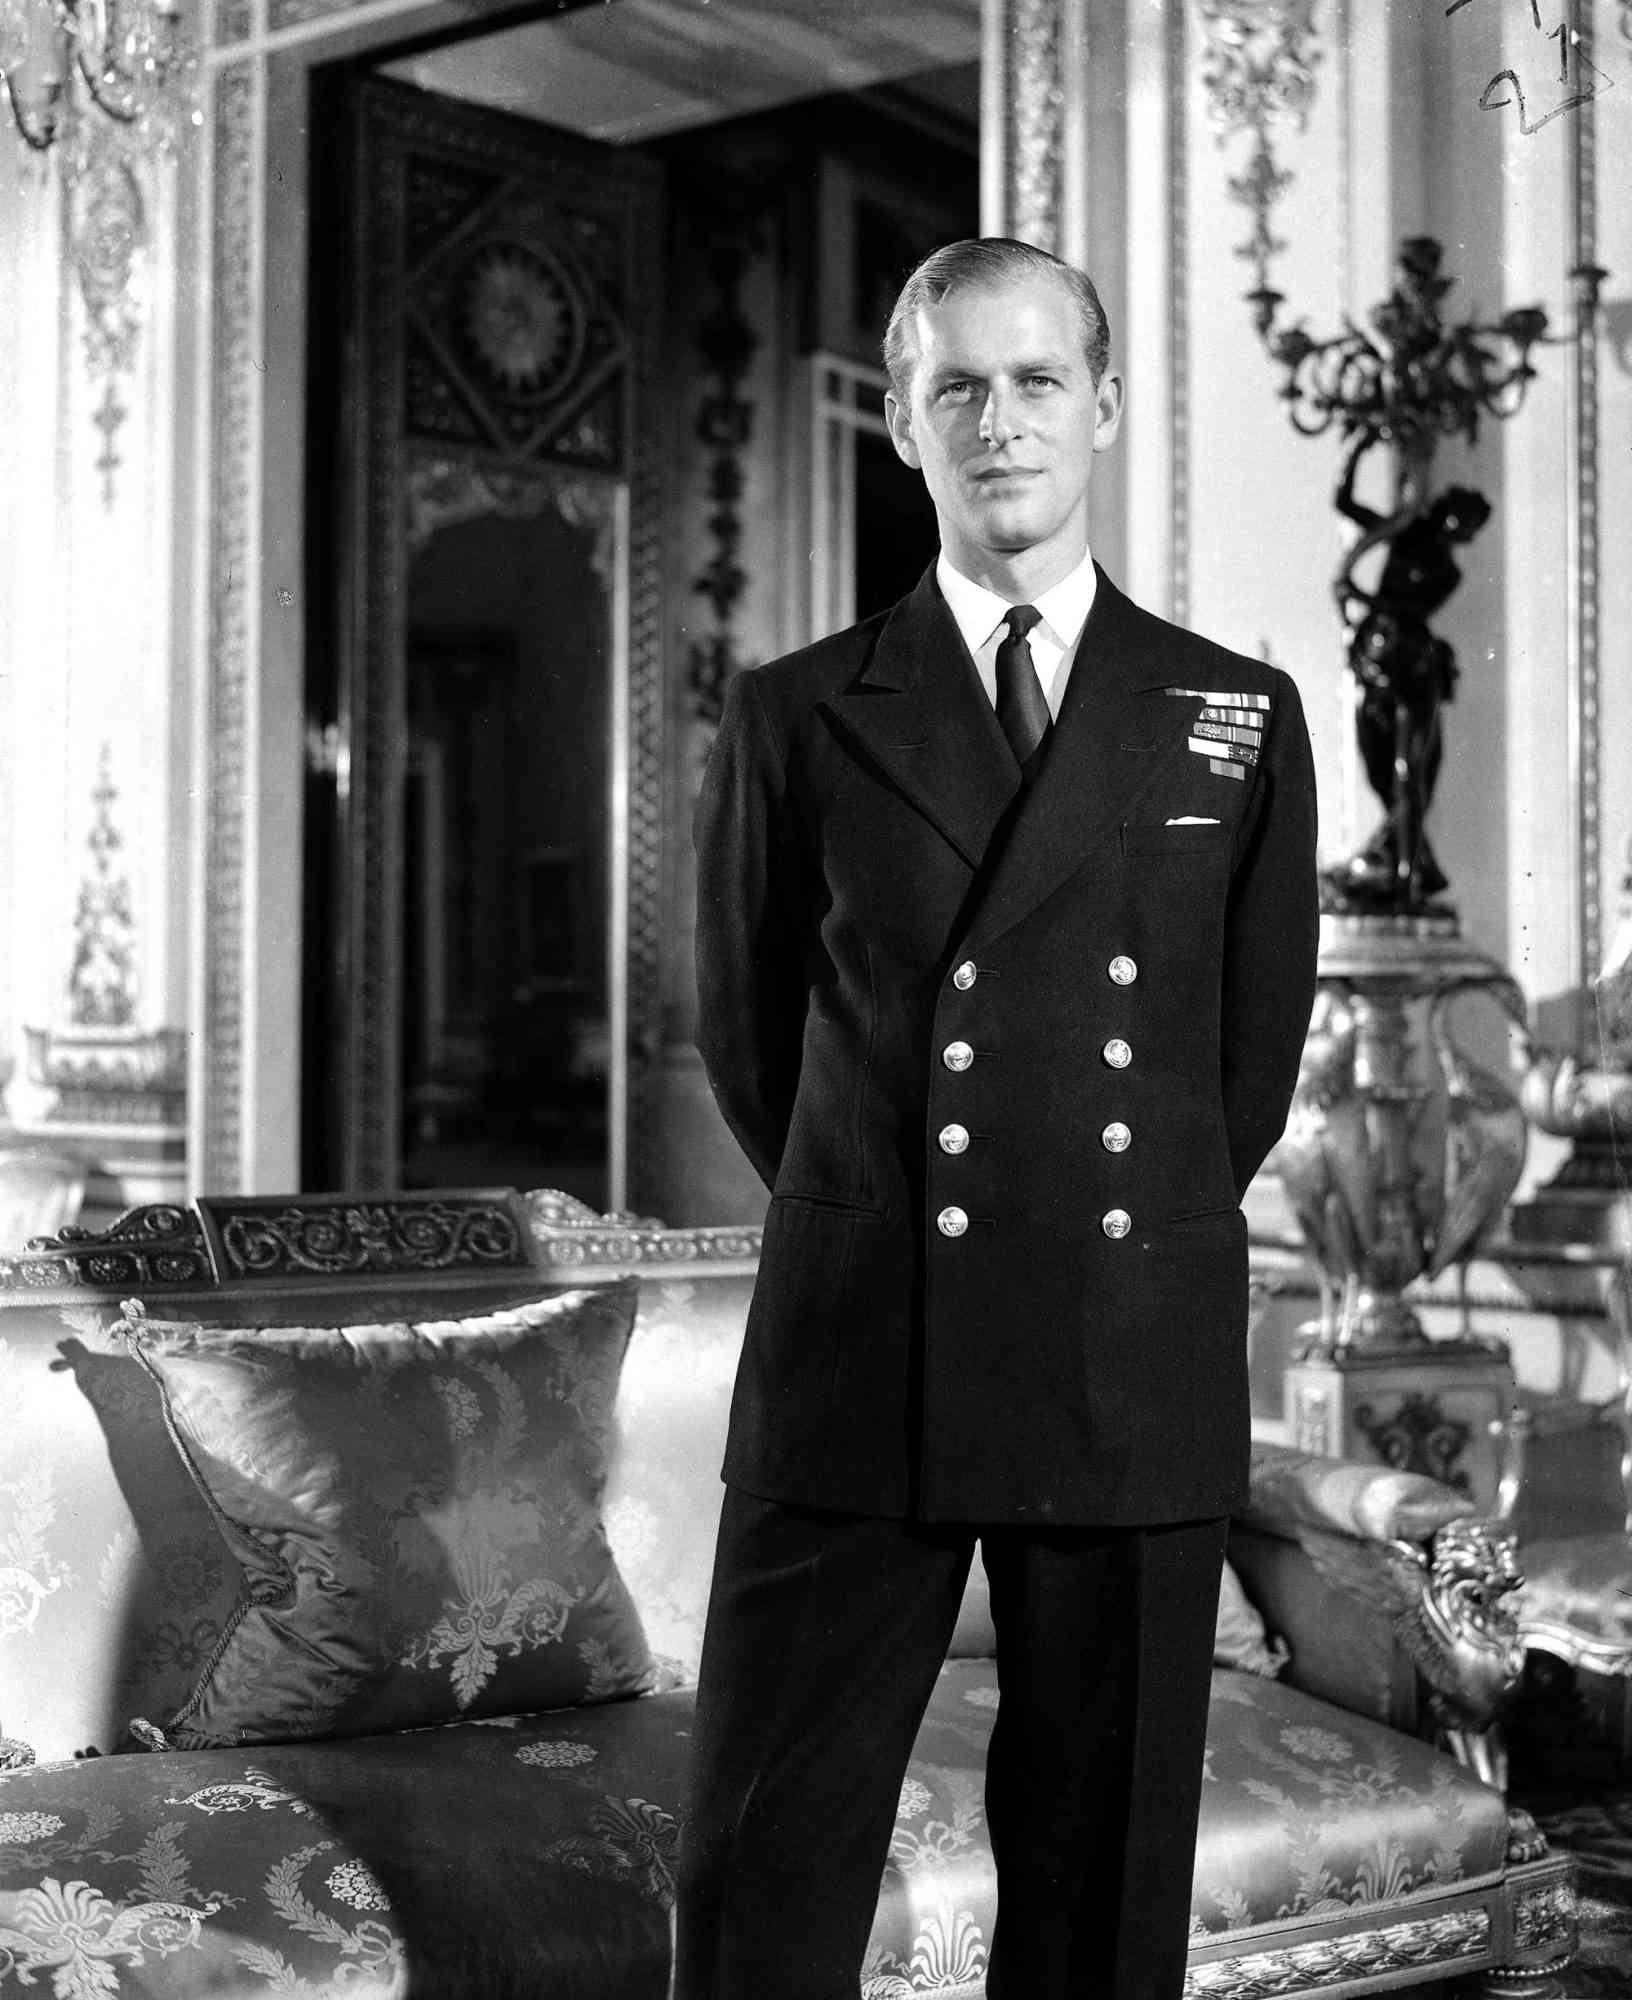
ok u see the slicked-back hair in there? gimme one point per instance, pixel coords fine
(988, 261)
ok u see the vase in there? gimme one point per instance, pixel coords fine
(1400, 1150)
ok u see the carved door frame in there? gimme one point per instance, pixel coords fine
(589, 457)
(244, 605)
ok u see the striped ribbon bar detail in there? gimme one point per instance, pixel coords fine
(1229, 731)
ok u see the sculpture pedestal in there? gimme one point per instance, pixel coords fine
(1443, 1408)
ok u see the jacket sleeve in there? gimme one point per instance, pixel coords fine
(751, 989)
(1271, 937)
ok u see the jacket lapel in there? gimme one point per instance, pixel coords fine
(921, 718)
(1112, 737)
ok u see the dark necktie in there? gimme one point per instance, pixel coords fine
(1021, 707)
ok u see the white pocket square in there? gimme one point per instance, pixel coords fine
(1191, 819)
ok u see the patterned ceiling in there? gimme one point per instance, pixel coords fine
(643, 68)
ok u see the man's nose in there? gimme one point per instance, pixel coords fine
(997, 419)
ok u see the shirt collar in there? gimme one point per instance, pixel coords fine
(980, 612)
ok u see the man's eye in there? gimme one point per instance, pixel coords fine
(956, 392)
(1042, 382)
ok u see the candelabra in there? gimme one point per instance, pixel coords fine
(130, 59)
(1409, 383)
(1391, 1179)
(1412, 380)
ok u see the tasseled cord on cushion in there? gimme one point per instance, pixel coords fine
(151, 1737)
(1241, 1639)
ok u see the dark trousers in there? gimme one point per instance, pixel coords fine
(825, 1634)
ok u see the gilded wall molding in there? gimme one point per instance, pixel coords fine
(1034, 137)
(644, 793)
(217, 1148)
(102, 985)
(372, 717)
(727, 343)
(1258, 64)
(100, 1066)
(1582, 564)
(107, 242)
(1176, 29)
(1034, 124)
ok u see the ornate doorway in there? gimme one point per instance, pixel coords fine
(484, 690)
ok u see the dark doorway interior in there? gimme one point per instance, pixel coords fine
(476, 413)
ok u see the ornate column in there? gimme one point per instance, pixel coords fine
(1068, 90)
(1583, 1092)
(230, 323)
(1034, 128)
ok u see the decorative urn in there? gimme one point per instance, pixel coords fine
(1394, 1175)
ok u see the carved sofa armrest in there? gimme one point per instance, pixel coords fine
(1392, 1599)
(15, 1755)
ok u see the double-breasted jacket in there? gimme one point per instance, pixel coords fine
(1007, 1057)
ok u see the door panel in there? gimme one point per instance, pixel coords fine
(483, 873)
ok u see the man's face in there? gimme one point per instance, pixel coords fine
(1003, 420)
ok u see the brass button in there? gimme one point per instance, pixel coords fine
(954, 1139)
(1116, 1052)
(957, 1055)
(1116, 1138)
(952, 1222)
(1123, 970)
(965, 976)
(1116, 1222)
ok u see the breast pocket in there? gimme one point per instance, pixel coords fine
(1156, 839)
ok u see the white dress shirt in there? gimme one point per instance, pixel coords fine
(981, 615)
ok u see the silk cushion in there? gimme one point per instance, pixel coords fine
(414, 1510)
(1291, 1489)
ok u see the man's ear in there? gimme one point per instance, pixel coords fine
(899, 421)
(1108, 401)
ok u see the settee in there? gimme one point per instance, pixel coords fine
(269, 1840)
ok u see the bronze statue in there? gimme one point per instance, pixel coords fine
(1410, 379)
(1406, 674)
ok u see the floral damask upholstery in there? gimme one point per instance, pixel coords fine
(535, 1854)
(551, 1841)
(114, 1586)
(661, 1505)
(1307, 1810)
(489, 1859)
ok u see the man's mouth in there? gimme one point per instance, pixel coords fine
(986, 475)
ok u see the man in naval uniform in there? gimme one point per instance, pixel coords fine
(1006, 949)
